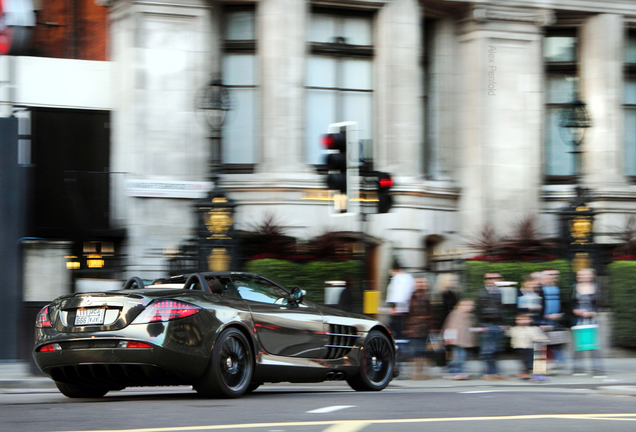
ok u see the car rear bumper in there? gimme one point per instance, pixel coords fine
(121, 367)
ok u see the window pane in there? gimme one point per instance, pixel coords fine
(630, 48)
(239, 25)
(356, 74)
(239, 129)
(561, 88)
(558, 160)
(560, 49)
(630, 142)
(238, 69)
(322, 28)
(630, 91)
(321, 72)
(358, 30)
(357, 107)
(321, 111)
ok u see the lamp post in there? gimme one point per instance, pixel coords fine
(574, 121)
(213, 103)
(577, 218)
(215, 212)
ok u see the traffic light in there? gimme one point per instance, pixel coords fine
(383, 186)
(336, 160)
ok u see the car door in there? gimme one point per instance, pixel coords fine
(283, 327)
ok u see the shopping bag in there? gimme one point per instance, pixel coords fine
(585, 337)
(435, 349)
(558, 337)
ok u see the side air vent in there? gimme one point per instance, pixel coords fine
(341, 339)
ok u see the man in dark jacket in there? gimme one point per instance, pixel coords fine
(489, 314)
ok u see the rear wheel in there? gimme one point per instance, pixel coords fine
(78, 391)
(377, 364)
(231, 366)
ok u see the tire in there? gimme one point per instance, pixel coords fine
(77, 391)
(231, 367)
(377, 363)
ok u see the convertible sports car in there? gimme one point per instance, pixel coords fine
(225, 334)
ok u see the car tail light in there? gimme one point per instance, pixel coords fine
(133, 344)
(43, 320)
(50, 347)
(166, 310)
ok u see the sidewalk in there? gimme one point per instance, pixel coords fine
(620, 377)
(620, 380)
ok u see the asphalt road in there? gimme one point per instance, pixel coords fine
(329, 407)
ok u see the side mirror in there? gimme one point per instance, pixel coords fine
(298, 295)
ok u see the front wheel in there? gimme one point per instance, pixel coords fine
(231, 366)
(78, 391)
(377, 364)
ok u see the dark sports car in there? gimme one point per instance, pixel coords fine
(225, 334)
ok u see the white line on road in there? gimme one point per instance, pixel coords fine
(330, 409)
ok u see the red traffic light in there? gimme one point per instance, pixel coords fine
(386, 183)
(334, 141)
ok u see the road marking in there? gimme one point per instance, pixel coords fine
(329, 409)
(479, 391)
(628, 416)
(348, 426)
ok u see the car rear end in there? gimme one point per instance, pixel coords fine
(123, 338)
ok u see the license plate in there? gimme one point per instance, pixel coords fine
(89, 316)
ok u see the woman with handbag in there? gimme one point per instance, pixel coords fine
(585, 332)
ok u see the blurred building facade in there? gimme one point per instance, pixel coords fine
(459, 100)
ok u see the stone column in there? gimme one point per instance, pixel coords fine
(281, 55)
(602, 41)
(500, 116)
(163, 52)
(398, 96)
(442, 136)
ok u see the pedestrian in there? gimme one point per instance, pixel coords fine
(445, 287)
(458, 338)
(552, 315)
(417, 326)
(523, 337)
(398, 293)
(528, 299)
(489, 314)
(585, 298)
(345, 301)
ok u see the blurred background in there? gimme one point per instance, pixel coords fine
(154, 138)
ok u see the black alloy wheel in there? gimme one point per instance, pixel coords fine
(377, 364)
(231, 367)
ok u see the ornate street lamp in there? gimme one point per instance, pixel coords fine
(213, 103)
(215, 213)
(577, 219)
(574, 120)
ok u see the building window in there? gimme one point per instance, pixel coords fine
(240, 129)
(560, 55)
(339, 77)
(629, 104)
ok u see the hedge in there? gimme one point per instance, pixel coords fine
(309, 276)
(623, 302)
(515, 271)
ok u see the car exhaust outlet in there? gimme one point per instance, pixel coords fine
(330, 376)
(339, 375)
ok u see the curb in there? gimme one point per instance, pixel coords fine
(618, 390)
